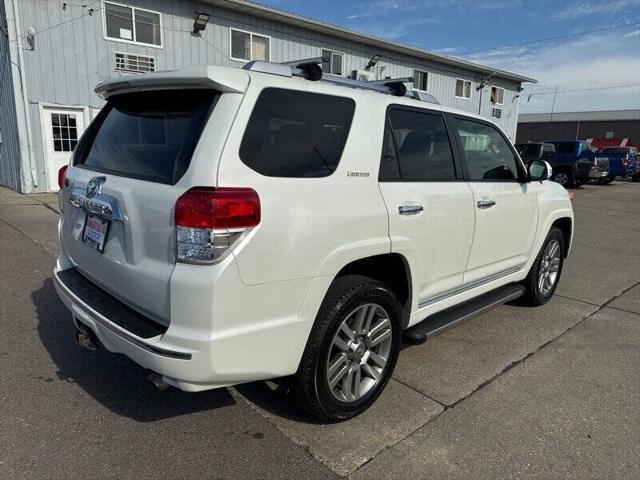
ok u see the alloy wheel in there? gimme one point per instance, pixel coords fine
(549, 267)
(562, 179)
(359, 353)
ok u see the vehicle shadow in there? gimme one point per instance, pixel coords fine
(276, 397)
(112, 379)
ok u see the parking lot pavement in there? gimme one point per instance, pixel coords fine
(551, 392)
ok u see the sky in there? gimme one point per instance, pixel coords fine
(507, 34)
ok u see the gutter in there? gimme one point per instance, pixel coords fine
(299, 21)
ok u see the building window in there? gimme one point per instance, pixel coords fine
(132, 25)
(65, 132)
(247, 46)
(497, 95)
(463, 88)
(126, 62)
(420, 80)
(334, 63)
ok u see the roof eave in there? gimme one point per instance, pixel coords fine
(321, 27)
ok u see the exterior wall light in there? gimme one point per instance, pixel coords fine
(200, 21)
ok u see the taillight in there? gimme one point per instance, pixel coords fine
(209, 220)
(61, 173)
(625, 160)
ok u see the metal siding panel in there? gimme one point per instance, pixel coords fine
(10, 145)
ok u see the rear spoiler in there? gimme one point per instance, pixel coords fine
(222, 79)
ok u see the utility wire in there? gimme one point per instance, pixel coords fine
(558, 37)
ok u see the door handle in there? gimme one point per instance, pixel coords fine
(485, 203)
(410, 209)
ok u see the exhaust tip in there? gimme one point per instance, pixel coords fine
(157, 380)
(85, 338)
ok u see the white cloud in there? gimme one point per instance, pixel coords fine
(635, 33)
(598, 60)
(610, 8)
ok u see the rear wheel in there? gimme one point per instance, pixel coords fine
(636, 178)
(564, 178)
(543, 278)
(352, 349)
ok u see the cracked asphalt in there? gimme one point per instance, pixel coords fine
(545, 393)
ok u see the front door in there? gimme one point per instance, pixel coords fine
(61, 129)
(506, 210)
(431, 212)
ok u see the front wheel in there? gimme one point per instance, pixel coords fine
(352, 349)
(543, 278)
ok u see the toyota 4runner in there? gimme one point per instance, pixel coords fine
(224, 225)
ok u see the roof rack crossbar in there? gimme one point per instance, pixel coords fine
(306, 61)
(310, 69)
(391, 81)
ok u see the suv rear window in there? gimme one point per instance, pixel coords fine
(296, 134)
(146, 135)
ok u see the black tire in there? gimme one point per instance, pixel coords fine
(636, 178)
(609, 179)
(311, 382)
(533, 296)
(564, 178)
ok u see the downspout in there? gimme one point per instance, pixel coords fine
(17, 31)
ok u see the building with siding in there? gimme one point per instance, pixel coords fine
(53, 54)
(622, 125)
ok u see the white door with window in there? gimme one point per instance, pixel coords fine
(506, 209)
(61, 130)
(431, 213)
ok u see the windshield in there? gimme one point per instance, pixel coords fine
(146, 135)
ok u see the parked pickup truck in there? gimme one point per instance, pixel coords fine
(534, 151)
(574, 163)
(622, 161)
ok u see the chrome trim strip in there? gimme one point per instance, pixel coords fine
(70, 298)
(469, 286)
(102, 205)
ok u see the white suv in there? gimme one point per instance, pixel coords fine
(224, 225)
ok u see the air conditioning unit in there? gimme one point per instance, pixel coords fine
(363, 75)
(496, 112)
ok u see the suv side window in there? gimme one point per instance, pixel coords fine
(416, 148)
(486, 152)
(296, 134)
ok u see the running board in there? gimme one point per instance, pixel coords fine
(442, 321)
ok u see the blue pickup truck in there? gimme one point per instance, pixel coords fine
(574, 163)
(623, 162)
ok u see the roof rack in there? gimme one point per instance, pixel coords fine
(310, 69)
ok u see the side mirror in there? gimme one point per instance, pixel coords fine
(540, 170)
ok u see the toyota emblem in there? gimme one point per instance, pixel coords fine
(94, 185)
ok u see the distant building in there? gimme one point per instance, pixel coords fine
(605, 128)
(53, 53)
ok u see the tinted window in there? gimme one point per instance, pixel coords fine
(150, 135)
(296, 134)
(486, 152)
(416, 148)
(528, 149)
(565, 148)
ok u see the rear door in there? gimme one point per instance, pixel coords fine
(506, 212)
(431, 214)
(117, 226)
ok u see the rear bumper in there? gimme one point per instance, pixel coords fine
(596, 173)
(216, 336)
